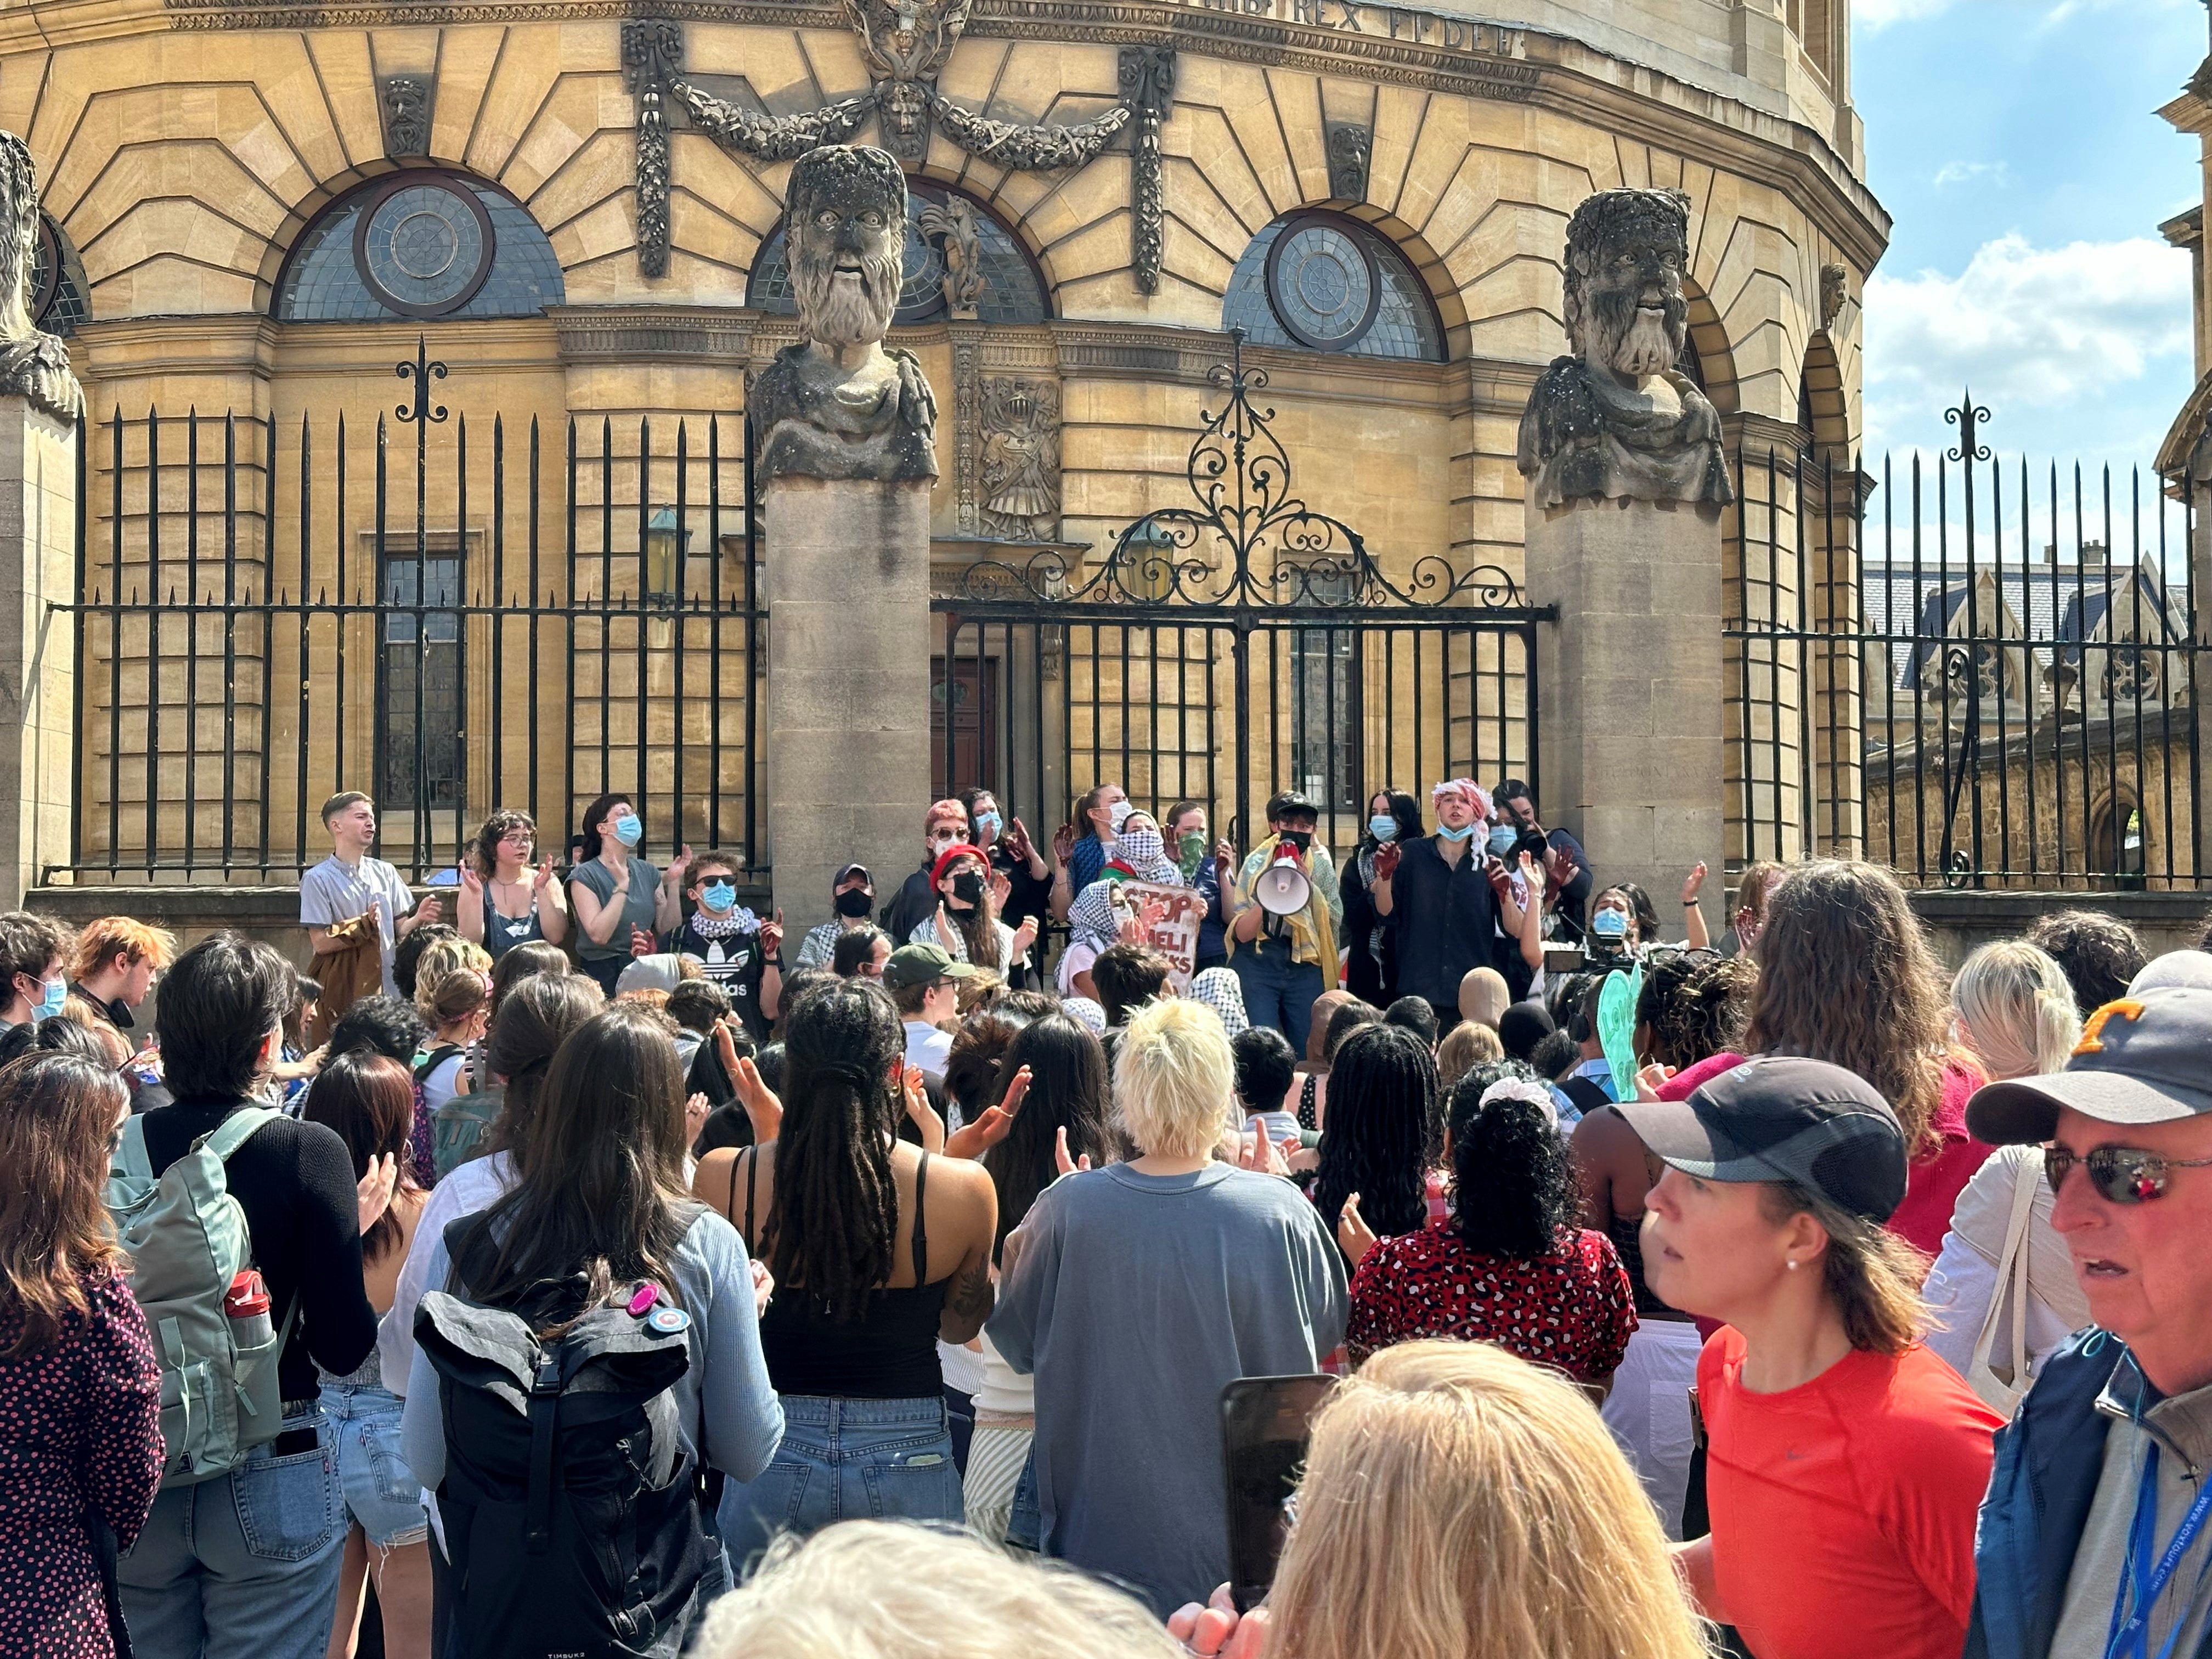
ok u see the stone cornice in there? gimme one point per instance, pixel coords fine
(632, 333)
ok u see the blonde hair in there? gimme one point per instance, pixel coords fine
(1872, 1276)
(2016, 1010)
(441, 958)
(1465, 1047)
(1174, 1077)
(102, 940)
(1458, 1500)
(453, 996)
(886, 1590)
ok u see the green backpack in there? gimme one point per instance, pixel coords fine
(187, 1239)
(459, 1125)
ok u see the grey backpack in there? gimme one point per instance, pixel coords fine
(187, 1239)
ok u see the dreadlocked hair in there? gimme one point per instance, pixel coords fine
(834, 1232)
(1385, 1133)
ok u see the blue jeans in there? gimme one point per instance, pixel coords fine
(382, 1495)
(1278, 991)
(844, 1460)
(245, 1563)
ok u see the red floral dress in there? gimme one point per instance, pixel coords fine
(1571, 1307)
(80, 1433)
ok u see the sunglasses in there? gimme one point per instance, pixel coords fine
(2121, 1175)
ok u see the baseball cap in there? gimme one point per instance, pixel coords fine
(661, 971)
(2141, 1059)
(923, 964)
(1782, 1117)
(848, 873)
(1290, 803)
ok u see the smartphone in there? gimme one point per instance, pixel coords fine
(1265, 1421)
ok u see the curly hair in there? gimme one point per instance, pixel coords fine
(1846, 975)
(1513, 1187)
(483, 847)
(2098, 953)
(1695, 1004)
(1384, 1132)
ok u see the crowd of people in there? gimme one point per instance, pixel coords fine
(573, 1275)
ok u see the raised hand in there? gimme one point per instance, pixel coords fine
(1025, 935)
(678, 864)
(1018, 842)
(694, 1117)
(641, 942)
(771, 936)
(472, 883)
(1695, 881)
(374, 1190)
(993, 1125)
(1061, 1161)
(545, 876)
(919, 1109)
(1001, 889)
(1386, 859)
(1225, 856)
(1353, 1235)
(1254, 1152)
(1063, 842)
(757, 1101)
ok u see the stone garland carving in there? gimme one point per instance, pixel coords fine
(784, 138)
(951, 225)
(1147, 75)
(34, 366)
(1348, 146)
(1028, 148)
(652, 53)
(1832, 293)
(1616, 419)
(406, 100)
(1019, 467)
(838, 404)
(904, 46)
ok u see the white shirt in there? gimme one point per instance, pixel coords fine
(928, 1049)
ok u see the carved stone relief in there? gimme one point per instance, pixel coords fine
(951, 225)
(1018, 467)
(1348, 146)
(1834, 292)
(653, 55)
(405, 101)
(33, 365)
(1147, 77)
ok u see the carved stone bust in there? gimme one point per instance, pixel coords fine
(33, 366)
(839, 405)
(1616, 420)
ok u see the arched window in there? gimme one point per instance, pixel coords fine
(419, 244)
(2116, 842)
(1328, 284)
(1012, 290)
(60, 298)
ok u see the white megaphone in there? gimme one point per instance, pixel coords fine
(1282, 889)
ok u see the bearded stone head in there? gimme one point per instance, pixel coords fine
(845, 233)
(1625, 310)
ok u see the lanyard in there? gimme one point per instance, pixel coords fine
(2131, 1632)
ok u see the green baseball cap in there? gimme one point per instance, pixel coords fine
(923, 964)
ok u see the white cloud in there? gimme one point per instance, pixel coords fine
(1965, 172)
(2026, 327)
(1880, 13)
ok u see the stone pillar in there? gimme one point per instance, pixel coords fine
(848, 683)
(38, 561)
(1629, 692)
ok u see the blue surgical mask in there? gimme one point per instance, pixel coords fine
(627, 830)
(57, 992)
(987, 827)
(719, 896)
(1383, 828)
(1460, 834)
(1502, 838)
(1610, 924)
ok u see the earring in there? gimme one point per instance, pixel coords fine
(1793, 1267)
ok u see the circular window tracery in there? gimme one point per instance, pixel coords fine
(421, 244)
(1325, 283)
(424, 247)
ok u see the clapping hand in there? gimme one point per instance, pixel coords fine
(545, 876)
(1353, 1235)
(641, 942)
(694, 1117)
(374, 1190)
(1061, 1161)
(771, 936)
(1695, 881)
(1218, 1631)
(472, 883)
(428, 912)
(677, 865)
(993, 1125)
(1001, 890)
(1025, 935)
(919, 1109)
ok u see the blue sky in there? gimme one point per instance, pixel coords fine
(2017, 146)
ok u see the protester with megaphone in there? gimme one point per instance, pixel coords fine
(1454, 908)
(1288, 910)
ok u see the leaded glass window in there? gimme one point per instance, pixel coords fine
(419, 244)
(1321, 282)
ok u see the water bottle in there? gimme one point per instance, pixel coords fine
(245, 1305)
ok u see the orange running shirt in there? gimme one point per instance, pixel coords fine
(1843, 1511)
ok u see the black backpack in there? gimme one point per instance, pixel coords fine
(571, 1511)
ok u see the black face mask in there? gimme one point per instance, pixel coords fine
(1300, 839)
(968, 887)
(856, 901)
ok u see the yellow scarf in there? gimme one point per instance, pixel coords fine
(1313, 936)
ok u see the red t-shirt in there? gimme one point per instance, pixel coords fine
(1934, 1179)
(1844, 1510)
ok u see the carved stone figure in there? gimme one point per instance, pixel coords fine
(905, 43)
(1616, 419)
(1347, 161)
(1020, 464)
(406, 99)
(33, 365)
(951, 225)
(1833, 294)
(839, 405)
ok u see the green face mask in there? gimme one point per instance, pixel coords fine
(1189, 850)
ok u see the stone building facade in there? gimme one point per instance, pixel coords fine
(256, 208)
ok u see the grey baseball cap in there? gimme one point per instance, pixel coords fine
(2144, 1058)
(1781, 1117)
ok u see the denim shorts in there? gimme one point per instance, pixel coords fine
(382, 1495)
(844, 1460)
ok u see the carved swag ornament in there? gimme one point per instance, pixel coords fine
(33, 366)
(840, 404)
(1615, 420)
(652, 53)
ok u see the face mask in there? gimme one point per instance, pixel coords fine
(857, 902)
(1382, 827)
(1190, 851)
(1140, 846)
(57, 992)
(1449, 834)
(719, 896)
(627, 830)
(1610, 924)
(938, 843)
(1502, 838)
(1118, 814)
(987, 829)
(968, 887)
(1300, 839)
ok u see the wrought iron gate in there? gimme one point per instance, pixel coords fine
(1224, 652)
